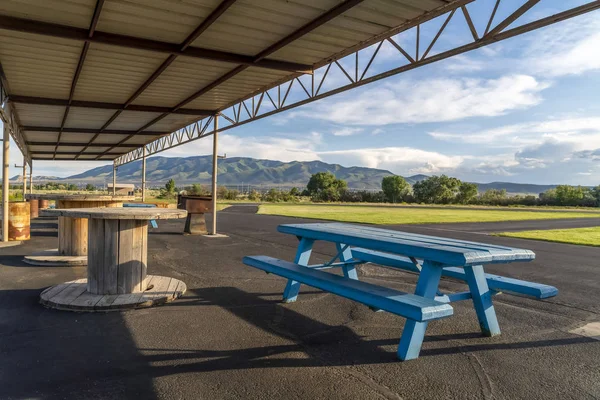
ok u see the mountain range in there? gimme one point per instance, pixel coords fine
(250, 171)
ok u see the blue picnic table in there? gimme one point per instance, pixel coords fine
(143, 205)
(429, 256)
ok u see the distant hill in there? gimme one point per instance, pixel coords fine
(243, 170)
(235, 171)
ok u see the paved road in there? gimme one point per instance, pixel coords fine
(230, 337)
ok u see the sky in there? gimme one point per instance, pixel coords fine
(523, 110)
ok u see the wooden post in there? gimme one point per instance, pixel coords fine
(144, 175)
(24, 178)
(214, 175)
(114, 191)
(5, 183)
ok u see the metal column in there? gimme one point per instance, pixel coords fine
(5, 183)
(30, 177)
(144, 175)
(24, 178)
(114, 191)
(214, 174)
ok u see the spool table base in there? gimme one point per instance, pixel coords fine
(73, 296)
(52, 258)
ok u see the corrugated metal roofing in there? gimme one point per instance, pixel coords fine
(48, 67)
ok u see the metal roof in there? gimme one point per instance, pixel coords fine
(98, 79)
(94, 79)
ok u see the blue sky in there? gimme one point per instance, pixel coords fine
(522, 110)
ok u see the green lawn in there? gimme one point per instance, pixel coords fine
(391, 215)
(582, 236)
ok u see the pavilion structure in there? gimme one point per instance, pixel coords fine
(120, 80)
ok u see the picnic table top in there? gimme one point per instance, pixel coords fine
(119, 213)
(77, 197)
(438, 249)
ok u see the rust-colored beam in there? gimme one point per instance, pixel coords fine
(73, 33)
(84, 51)
(92, 131)
(260, 57)
(104, 105)
(81, 144)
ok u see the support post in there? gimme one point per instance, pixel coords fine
(114, 191)
(5, 183)
(24, 178)
(144, 175)
(30, 177)
(214, 174)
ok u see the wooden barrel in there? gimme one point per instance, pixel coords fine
(43, 204)
(34, 211)
(18, 221)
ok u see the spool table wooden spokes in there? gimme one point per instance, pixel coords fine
(72, 232)
(117, 263)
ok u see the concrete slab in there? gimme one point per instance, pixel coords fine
(230, 336)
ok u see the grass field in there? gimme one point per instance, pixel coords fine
(582, 236)
(390, 215)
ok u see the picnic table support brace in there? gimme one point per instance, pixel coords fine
(345, 255)
(482, 300)
(290, 294)
(414, 332)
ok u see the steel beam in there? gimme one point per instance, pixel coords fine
(215, 170)
(233, 111)
(92, 131)
(80, 34)
(80, 144)
(105, 105)
(5, 181)
(84, 51)
(260, 57)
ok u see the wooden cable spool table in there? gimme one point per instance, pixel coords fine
(72, 232)
(117, 263)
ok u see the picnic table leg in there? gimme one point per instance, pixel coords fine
(346, 255)
(290, 294)
(482, 300)
(414, 332)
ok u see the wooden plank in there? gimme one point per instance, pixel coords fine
(410, 306)
(126, 257)
(54, 290)
(69, 294)
(161, 284)
(95, 271)
(135, 299)
(119, 213)
(111, 256)
(397, 242)
(139, 255)
(495, 282)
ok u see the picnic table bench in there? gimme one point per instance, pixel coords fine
(429, 256)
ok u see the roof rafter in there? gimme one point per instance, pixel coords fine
(260, 57)
(92, 131)
(73, 33)
(77, 144)
(206, 23)
(104, 105)
(84, 51)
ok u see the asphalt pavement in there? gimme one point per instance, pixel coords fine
(230, 336)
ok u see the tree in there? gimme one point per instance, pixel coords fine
(170, 186)
(567, 195)
(90, 188)
(436, 190)
(494, 197)
(197, 190)
(324, 186)
(395, 188)
(466, 192)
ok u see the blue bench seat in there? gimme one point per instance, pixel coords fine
(495, 282)
(407, 305)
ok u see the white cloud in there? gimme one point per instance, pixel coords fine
(404, 160)
(583, 132)
(432, 100)
(568, 48)
(346, 131)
